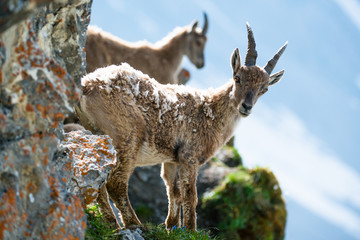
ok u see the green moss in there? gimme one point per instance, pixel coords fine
(248, 205)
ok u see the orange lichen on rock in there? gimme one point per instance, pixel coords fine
(29, 108)
(90, 195)
(42, 109)
(56, 69)
(87, 153)
(8, 211)
(31, 188)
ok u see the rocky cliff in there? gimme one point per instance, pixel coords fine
(41, 59)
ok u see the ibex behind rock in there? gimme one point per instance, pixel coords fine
(177, 126)
(160, 61)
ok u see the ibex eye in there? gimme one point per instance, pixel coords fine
(237, 79)
(263, 90)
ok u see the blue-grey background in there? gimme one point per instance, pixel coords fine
(306, 128)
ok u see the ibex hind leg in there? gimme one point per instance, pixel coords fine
(171, 179)
(188, 176)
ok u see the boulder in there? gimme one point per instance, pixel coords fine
(248, 204)
(84, 161)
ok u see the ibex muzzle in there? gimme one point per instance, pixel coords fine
(196, 43)
(248, 103)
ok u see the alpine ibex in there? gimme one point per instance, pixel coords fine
(160, 61)
(177, 126)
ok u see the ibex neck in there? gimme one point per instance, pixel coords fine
(225, 112)
(174, 50)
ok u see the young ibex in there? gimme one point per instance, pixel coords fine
(174, 125)
(160, 61)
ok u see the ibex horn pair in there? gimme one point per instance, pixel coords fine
(251, 54)
(205, 28)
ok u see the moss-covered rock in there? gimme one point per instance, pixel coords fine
(248, 204)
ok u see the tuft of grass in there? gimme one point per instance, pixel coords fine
(97, 228)
(159, 232)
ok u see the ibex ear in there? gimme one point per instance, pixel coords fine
(235, 60)
(194, 26)
(274, 78)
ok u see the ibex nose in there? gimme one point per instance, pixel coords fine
(246, 106)
(200, 64)
(248, 102)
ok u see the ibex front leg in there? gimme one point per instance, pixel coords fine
(105, 207)
(117, 187)
(188, 176)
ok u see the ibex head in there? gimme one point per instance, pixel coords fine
(195, 43)
(252, 81)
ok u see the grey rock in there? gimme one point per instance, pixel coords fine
(37, 91)
(128, 234)
(84, 162)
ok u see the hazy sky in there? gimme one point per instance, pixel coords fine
(306, 127)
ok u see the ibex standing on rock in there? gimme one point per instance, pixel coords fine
(160, 61)
(177, 126)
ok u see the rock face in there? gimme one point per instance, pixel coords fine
(84, 161)
(41, 54)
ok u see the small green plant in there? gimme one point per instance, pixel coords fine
(160, 233)
(97, 228)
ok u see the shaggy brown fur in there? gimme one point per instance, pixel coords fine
(177, 126)
(160, 61)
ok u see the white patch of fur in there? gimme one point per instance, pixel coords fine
(208, 111)
(150, 156)
(106, 75)
(156, 96)
(145, 94)
(136, 89)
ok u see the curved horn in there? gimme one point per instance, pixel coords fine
(251, 54)
(205, 28)
(272, 62)
(194, 26)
